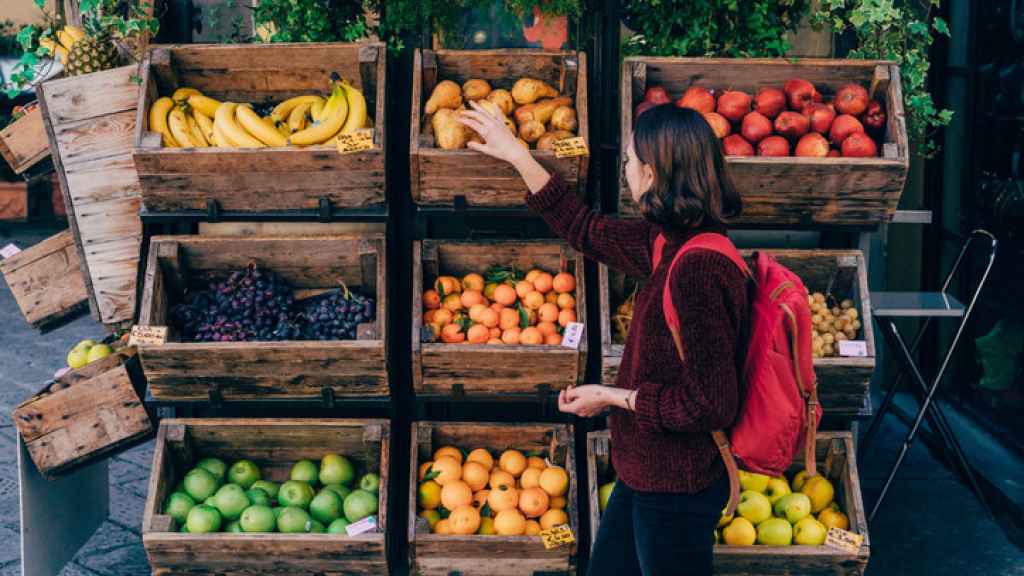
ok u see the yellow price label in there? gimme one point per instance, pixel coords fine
(147, 335)
(355, 142)
(844, 540)
(569, 147)
(557, 536)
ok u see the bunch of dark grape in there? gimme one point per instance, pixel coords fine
(337, 314)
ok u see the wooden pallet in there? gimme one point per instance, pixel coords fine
(836, 458)
(262, 179)
(442, 555)
(182, 371)
(790, 191)
(439, 176)
(86, 414)
(843, 382)
(23, 143)
(47, 280)
(273, 445)
(491, 370)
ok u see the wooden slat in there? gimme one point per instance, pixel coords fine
(23, 143)
(13, 201)
(46, 280)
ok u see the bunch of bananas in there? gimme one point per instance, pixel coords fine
(190, 119)
(63, 40)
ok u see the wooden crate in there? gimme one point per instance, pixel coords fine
(442, 555)
(843, 382)
(790, 191)
(273, 445)
(23, 143)
(440, 176)
(259, 370)
(261, 179)
(14, 201)
(47, 280)
(490, 370)
(836, 456)
(86, 414)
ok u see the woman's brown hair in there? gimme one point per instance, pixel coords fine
(691, 185)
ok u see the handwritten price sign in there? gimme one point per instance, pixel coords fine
(844, 540)
(355, 142)
(569, 147)
(557, 536)
(147, 335)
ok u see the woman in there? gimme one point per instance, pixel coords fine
(672, 483)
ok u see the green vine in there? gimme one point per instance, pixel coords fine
(725, 28)
(313, 20)
(902, 32)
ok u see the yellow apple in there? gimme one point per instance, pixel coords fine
(798, 480)
(78, 357)
(777, 488)
(820, 491)
(753, 481)
(793, 507)
(775, 532)
(754, 506)
(739, 532)
(809, 532)
(604, 493)
(99, 351)
(834, 519)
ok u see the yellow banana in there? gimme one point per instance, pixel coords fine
(205, 124)
(158, 120)
(75, 32)
(182, 94)
(281, 112)
(297, 118)
(356, 109)
(326, 128)
(58, 51)
(233, 133)
(66, 39)
(219, 139)
(282, 129)
(204, 104)
(179, 128)
(316, 110)
(196, 132)
(263, 130)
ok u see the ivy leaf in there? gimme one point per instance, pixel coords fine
(940, 26)
(41, 4)
(26, 37)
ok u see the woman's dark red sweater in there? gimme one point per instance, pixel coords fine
(665, 446)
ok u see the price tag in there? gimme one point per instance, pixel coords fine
(355, 142)
(853, 348)
(569, 147)
(573, 335)
(368, 524)
(844, 540)
(8, 251)
(557, 536)
(148, 336)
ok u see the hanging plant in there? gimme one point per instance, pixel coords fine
(311, 20)
(903, 33)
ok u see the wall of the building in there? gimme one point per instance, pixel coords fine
(21, 11)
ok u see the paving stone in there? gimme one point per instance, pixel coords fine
(126, 509)
(114, 551)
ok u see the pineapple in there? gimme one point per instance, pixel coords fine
(95, 52)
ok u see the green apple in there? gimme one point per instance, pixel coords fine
(244, 473)
(335, 469)
(739, 532)
(267, 486)
(85, 344)
(203, 519)
(775, 532)
(370, 482)
(326, 506)
(359, 505)
(293, 520)
(793, 507)
(178, 505)
(304, 471)
(777, 488)
(214, 466)
(234, 527)
(77, 358)
(753, 481)
(258, 496)
(316, 527)
(295, 493)
(258, 518)
(338, 526)
(754, 506)
(809, 532)
(98, 352)
(231, 501)
(604, 493)
(339, 489)
(200, 484)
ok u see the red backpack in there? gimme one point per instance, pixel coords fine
(779, 413)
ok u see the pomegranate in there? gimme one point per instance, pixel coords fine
(859, 145)
(874, 116)
(833, 153)
(792, 125)
(820, 117)
(756, 127)
(851, 99)
(770, 102)
(842, 127)
(773, 146)
(812, 145)
(735, 145)
(734, 105)
(656, 95)
(718, 123)
(697, 98)
(799, 93)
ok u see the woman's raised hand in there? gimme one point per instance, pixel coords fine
(499, 141)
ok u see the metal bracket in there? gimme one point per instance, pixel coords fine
(325, 209)
(212, 211)
(458, 392)
(327, 396)
(215, 396)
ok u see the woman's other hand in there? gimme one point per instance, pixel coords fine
(591, 399)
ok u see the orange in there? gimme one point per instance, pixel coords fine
(510, 336)
(536, 462)
(428, 317)
(530, 477)
(564, 282)
(478, 334)
(554, 480)
(532, 528)
(489, 290)
(448, 470)
(447, 285)
(431, 299)
(566, 301)
(499, 478)
(475, 310)
(424, 468)
(551, 297)
(452, 334)
(429, 495)
(505, 295)
(495, 341)
(495, 334)
(471, 297)
(553, 339)
(531, 316)
(533, 300)
(553, 518)
(548, 313)
(431, 516)
(464, 520)
(442, 527)
(509, 523)
(486, 527)
(558, 502)
(513, 462)
(509, 318)
(453, 302)
(533, 502)
(548, 327)
(532, 275)
(503, 497)
(456, 493)
(482, 456)
(480, 498)
(449, 450)
(543, 282)
(489, 317)
(475, 475)
(532, 336)
(473, 281)
(566, 316)
(523, 288)
(443, 317)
